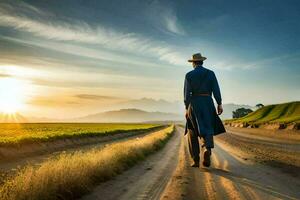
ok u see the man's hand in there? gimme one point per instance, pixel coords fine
(220, 109)
(186, 114)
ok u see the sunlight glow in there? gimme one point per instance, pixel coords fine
(12, 96)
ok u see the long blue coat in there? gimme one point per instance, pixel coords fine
(202, 80)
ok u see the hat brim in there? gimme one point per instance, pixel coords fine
(199, 59)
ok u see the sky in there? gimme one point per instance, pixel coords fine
(73, 57)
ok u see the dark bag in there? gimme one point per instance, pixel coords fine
(219, 127)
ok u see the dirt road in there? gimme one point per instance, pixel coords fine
(233, 175)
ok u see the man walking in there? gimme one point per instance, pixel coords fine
(202, 119)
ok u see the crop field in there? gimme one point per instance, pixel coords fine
(71, 175)
(13, 133)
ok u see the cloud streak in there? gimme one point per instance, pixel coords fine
(2, 75)
(50, 101)
(165, 18)
(96, 97)
(82, 32)
(171, 23)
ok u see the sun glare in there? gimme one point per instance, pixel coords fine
(11, 95)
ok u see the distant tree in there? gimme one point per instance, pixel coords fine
(260, 105)
(241, 112)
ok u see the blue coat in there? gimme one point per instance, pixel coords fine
(202, 80)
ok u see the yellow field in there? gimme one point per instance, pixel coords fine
(72, 175)
(23, 133)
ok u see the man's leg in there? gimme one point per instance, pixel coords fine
(194, 147)
(207, 144)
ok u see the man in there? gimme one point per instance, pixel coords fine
(202, 119)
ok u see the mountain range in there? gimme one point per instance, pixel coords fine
(152, 105)
(137, 110)
(130, 115)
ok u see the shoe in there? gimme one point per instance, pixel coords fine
(195, 164)
(206, 160)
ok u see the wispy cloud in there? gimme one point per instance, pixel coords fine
(96, 97)
(51, 102)
(74, 99)
(89, 53)
(82, 32)
(237, 63)
(4, 75)
(271, 60)
(165, 18)
(172, 24)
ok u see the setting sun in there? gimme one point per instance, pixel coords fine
(11, 95)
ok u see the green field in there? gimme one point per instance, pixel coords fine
(69, 176)
(36, 132)
(278, 113)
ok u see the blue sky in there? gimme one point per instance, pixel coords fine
(61, 50)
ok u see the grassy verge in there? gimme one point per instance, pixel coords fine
(279, 115)
(70, 176)
(17, 134)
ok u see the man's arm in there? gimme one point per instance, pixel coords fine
(217, 94)
(187, 93)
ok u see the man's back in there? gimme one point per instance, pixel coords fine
(202, 81)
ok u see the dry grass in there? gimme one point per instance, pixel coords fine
(70, 176)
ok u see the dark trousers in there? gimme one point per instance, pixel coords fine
(194, 148)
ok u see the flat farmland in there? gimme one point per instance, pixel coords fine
(70, 175)
(14, 134)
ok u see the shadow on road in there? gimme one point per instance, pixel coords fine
(237, 179)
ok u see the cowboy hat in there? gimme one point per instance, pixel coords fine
(197, 57)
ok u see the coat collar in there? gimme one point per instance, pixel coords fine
(198, 67)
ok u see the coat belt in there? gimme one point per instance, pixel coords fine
(201, 94)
